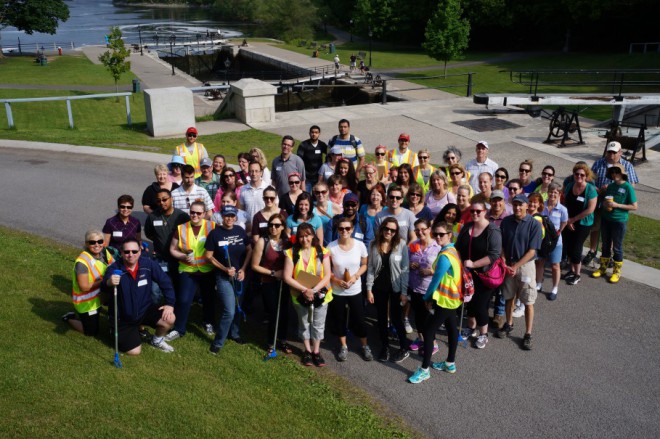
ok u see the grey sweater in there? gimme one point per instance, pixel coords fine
(399, 266)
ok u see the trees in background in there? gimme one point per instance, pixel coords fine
(115, 59)
(447, 32)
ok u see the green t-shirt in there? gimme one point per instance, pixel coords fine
(623, 194)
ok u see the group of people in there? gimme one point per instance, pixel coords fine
(311, 235)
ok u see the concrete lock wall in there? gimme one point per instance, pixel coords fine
(169, 110)
(253, 101)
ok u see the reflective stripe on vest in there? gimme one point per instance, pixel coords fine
(408, 157)
(191, 159)
(85, 301)
(189, 242)
(448, 295)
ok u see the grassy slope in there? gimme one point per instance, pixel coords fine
(58, 382)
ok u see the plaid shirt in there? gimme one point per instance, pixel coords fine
(600, 169)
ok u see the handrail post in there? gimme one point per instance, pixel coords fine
(383, 95)
(10, 117)
(128, 111)
(469, 85)
(68, 109)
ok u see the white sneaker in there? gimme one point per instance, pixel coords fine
(539, 286)
(163, 346)
(409, 329)
(519, 311)
(173, 335)
(482, 341)
(209, 329)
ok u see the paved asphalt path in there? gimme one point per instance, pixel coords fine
(594, 370)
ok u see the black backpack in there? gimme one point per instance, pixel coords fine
(551, 237)
(332, 142)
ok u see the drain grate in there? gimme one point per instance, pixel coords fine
(490, 124)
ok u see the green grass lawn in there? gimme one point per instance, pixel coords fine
(56, 382)
(61, 70)
(642, 241)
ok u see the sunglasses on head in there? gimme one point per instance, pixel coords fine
(92, 242)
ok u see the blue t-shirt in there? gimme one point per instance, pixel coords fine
(232, 243)
(315, 222)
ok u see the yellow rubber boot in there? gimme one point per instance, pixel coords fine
(616, 274)
(604, 262)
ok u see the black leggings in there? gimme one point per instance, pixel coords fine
(440, 316)
(381, 299)
(347, 310)
(574, 240)
(478, 306)
(419, 309)
(270, 292)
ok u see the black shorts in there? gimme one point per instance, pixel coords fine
(129, 334)
(90, 323)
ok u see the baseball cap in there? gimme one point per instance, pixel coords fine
(614, 146)
(484, 143)
(336, 150)
(191, 130)
(404, 136)
(229, 210)
(206, 162)
(351, 198)
(497, 194)
(521, 198)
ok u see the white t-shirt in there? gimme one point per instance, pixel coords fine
(341, 260)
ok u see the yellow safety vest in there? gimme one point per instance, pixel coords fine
(448, 295)
(408, 157)
(192, 159)
(314, 266)
(86, 301)
(419, 178)
(189, 242)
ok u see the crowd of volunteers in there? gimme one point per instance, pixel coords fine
(323, 234)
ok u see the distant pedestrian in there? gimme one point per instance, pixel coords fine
(353, 62)
(336, 60)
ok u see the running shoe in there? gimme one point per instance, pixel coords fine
(307, 359)
(527, 342)
(172, 335)
(342, 355)
(401, 355)
(416, 345)
(209, 328)
(449, 368)
(318, 360)
(367, 355)
(481, 342)
(519, 311)
(68, 316)
(406, 324)
(588, 258)
(162, 345)
(420, 375)
(573, 280)
(504, 331)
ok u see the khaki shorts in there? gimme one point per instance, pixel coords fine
(522, 285)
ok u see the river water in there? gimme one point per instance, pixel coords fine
(90, 21)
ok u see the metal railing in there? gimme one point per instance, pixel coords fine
(468, 84)
(68, 99)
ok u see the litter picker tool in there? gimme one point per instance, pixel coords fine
(118, 364)
(461, 339)
(272, 353)
(238, 292)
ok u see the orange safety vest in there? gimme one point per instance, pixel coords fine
(448, 295)
(86, 301)
(314, 266)
(188, 242)
(408, 157)
(192, 159)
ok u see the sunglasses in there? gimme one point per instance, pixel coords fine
(350, 204)
(423, 157)
(451, 158)
(176, 165)
(415, 195)
(524, 171)
(380, 154)
(344, 229)
(547, 174)
(500, 176)
(294, 182)
(191, 135)
(441, 234)
(390, 230)
(229, 175)
(476, 211)
(269, 198)
(457, 173)
(275, 225)
(126, 206)
(394, 197)
(320, 192)
(99, 242)
(194, 212)
(131, 252)
(161, 200)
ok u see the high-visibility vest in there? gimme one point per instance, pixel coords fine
(192, 159)
(448, 294)
(86, 301)
(189, 242)
(408, 157)
(419, 178)
(314, 266)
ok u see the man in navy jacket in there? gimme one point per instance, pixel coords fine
(134, 303)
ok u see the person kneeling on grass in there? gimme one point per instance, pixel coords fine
(443, 296)
(135, 306)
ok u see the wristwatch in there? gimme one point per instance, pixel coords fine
(272, 273)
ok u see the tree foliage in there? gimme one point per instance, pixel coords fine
(115, 59)
(447, 33)
(33, 15)
(287, 19)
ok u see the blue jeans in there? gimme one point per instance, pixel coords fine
(308, 186)
(227, 326)
(499, 302)
(612, 234)
(186, 294)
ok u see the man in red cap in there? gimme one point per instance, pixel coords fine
(403, 154)
(191, 151)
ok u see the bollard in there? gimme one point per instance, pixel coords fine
(383, 94)
(469, 85)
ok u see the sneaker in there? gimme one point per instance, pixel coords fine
(307, 359)
(527, 342)
(173, 335)
(519, 311)
(318, 360)
(343, 353)
(401, 355)
(162, 345)
(214, 349)
(420, 375)
(553, 294)
(366, 353)
(481, 342)
(406, 324)
(68, 316)
(209, 328)
(498, 321)
(144, 334)
(449, 368)
(504, 331)
(588, 258)
(539, 286)
(416, 345)
(384, 354)
(569, 274)
(573, 280)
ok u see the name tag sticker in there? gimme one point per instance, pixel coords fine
(555, 213)
(158, 223)
(117, 234)
(93, 312)
(317, 151)
(328, 173)
(279, 168)
(263, 225)
(397, 258)
(526, 279)
(223, 243)
(403, 223)
(183, 153)
(580, 198)
(622, 191)
(142, 283)
(359, 235)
